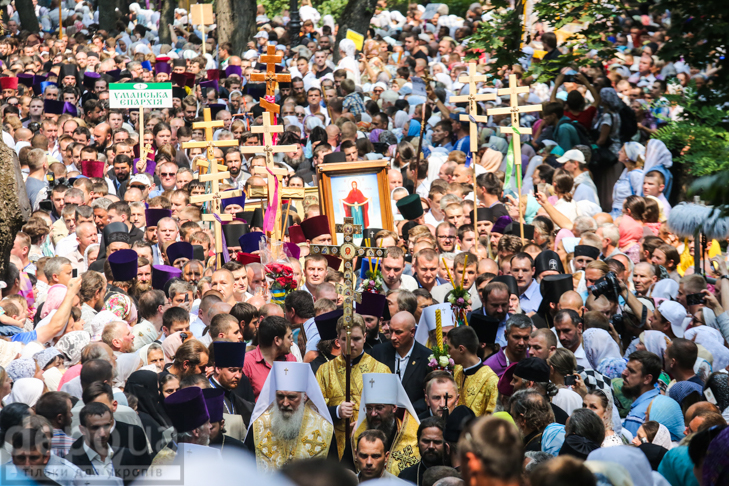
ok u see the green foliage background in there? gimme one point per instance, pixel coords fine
(499, 37)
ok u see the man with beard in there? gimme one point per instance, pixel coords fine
(294, 159)
(228, 375)
(329, 374)
(191, 420)
(291, 420)
(371, 308)
(247, 316)
(234, 162)
(120, 172)
(639, 378)
(144, 277)
(381, 396)
(298, 91)
(192, 271)
(102, 136)
(433, 450)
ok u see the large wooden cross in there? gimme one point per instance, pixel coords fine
(271, 172)
(270, 77)
(214, 196)
(472, 116)
(514, 129)
(472, 79)
(348, 251)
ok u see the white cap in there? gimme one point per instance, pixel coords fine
(427, 321)
(572, 155)
(383, 388)
(262, 34)
(141, 178)
(250, 55)
(675, 313)
(292, 377)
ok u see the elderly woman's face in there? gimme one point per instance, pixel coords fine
(437, 69)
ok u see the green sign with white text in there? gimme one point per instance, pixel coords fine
(140, 95)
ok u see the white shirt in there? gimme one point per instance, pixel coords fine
(101, 468)
(406, 283)
(401, 364)
(197, 327)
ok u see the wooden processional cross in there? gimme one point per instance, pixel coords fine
(348, 251)
(214, 196)
(472, 79)
(271, 172)
(270, 77)
(515, 130)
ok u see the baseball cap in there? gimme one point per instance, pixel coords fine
(572, 155)
(262, 34)
(676, 314)
(140, 179)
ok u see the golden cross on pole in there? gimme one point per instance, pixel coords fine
(515, 130)
(214, 177)
(348, 251)
(270, 77)
(473, 78)
(271, 171)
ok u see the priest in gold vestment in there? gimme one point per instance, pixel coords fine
(291, 420)
(382, 395)
(476, 382)
(332, 375)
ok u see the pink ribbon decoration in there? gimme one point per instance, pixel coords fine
(272, 100)
(270, 217)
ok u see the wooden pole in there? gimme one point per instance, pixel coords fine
(202, 31)
(348, 380)
(142, 146)
(60, 19)
(474, 155)
(420, 144)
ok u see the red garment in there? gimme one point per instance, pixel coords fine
(256, 369)
(585, 118)
(70, 374)
(355, 196)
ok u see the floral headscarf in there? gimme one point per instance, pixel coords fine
(123, 307)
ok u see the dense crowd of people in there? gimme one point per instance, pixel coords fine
(581, 343)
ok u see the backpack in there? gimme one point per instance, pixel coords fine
(628, 123)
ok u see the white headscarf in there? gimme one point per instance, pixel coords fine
(347, 46)
(25, 390)
(599, 345)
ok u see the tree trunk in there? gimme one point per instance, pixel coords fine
(356, 16)
(167, 18)
(224, 18)
(26, 12)
(107, 14)
(14, 205)
(245, 25)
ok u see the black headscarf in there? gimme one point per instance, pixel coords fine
(143, 384)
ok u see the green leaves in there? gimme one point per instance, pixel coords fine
(500, 37)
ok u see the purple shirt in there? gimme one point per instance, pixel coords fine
(497, 362)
